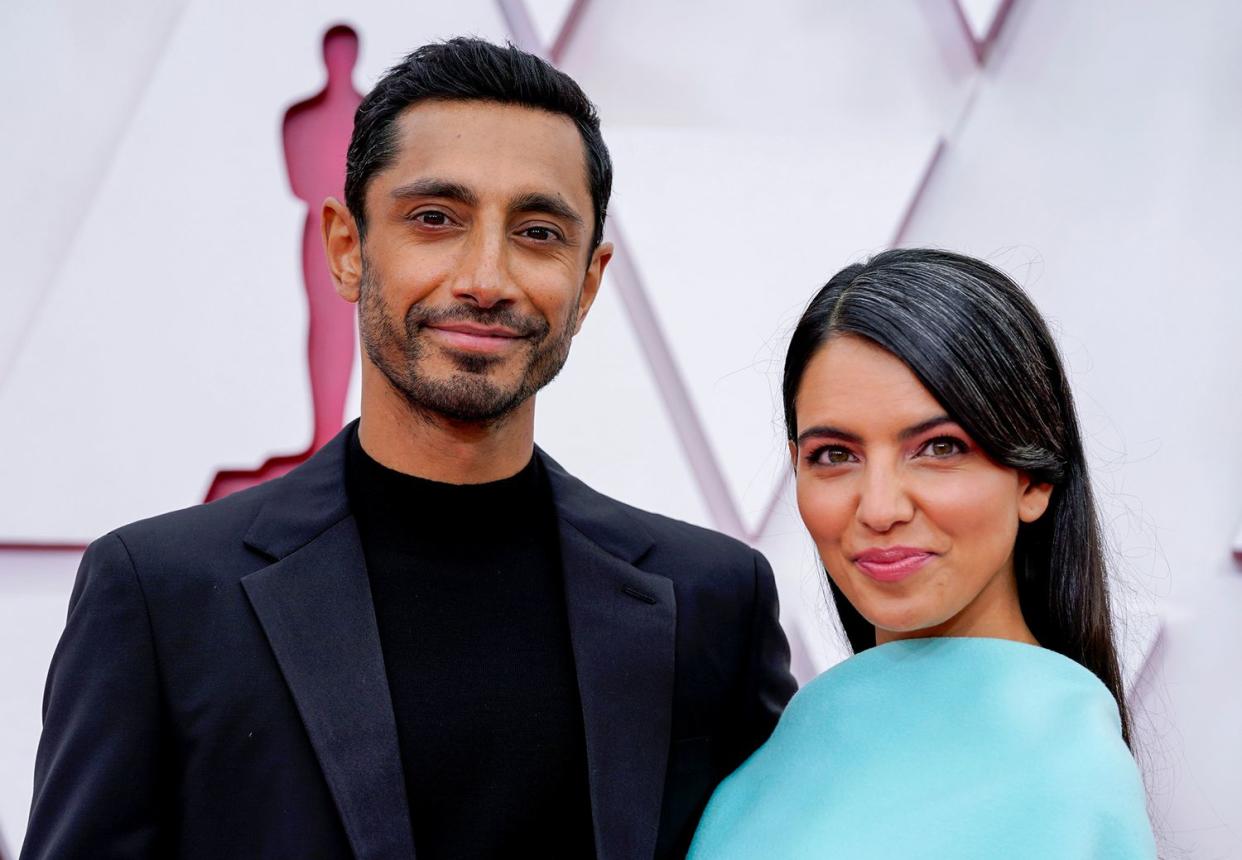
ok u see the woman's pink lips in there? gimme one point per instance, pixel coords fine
(892, 564)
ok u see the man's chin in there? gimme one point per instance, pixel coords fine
(463, 396)
(470, 370)
(444, 362)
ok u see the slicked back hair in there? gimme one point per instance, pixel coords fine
(978, 344)
(468, 69)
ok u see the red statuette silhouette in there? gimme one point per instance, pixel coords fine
(316, 137)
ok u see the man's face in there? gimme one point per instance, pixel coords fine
(477, 268)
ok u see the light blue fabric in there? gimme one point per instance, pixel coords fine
(938, 748)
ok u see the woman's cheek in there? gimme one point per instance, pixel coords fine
(978, 514)
(969, 503)
(824, 510)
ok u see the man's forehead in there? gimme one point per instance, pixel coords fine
(502, 138)
(489, 108)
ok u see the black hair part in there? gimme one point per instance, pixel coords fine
(978, 344)
(468, 69)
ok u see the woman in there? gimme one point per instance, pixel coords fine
(940, 471)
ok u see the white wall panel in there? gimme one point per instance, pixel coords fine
(981, 16)
(549, 17)
(73, 74)
(34, 599)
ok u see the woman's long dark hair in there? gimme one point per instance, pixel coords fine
(983, 351)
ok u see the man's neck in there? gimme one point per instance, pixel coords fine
(431, 446)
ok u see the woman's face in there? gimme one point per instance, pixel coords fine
(914, 523)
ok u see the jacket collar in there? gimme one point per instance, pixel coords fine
(604, 521)
(304, 503)
(311, 498)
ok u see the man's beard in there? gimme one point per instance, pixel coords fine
(467, 393)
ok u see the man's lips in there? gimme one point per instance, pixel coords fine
(472, 337)
(892, 564)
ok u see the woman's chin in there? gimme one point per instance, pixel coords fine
(901, 620)
(914, 631)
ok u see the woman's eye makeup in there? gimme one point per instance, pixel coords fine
(830, 455)
(943, 446)
(936, 448)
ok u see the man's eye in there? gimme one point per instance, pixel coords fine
(431, 219)
(540, 234)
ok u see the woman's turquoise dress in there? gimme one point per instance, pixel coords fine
(938, 748)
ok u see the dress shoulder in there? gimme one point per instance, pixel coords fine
(939, 748)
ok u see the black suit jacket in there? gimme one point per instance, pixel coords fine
(219, 689)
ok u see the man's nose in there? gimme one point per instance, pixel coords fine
(884, 500)
(483, 277)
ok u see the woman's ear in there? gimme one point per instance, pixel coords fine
(793, 455)
(1034, 499)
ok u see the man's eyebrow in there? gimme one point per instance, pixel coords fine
(548, 204)
(432, 187)
(827, 430)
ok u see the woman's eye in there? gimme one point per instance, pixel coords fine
(831, 455)
(943, 446)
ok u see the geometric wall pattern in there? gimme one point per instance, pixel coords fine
(156, 319)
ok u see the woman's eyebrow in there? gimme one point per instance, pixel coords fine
(822, 430)
(924, 426)
(827, 430)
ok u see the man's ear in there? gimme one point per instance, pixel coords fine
(1034, 499)
(343, 248)
(600, 258)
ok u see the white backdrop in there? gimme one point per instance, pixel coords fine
(154, 322)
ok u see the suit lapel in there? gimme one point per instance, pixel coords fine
(314, 603)
(622, 626)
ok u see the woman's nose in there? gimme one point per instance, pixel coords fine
(883, 500)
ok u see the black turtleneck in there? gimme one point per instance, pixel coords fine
(468, 595)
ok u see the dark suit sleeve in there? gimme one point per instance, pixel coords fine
(770, 682)
(97, 785)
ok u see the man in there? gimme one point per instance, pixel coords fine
(429, 637)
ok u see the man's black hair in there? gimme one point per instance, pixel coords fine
(465, 69)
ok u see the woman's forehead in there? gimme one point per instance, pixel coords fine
(851, 380)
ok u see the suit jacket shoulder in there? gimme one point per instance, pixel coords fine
(235, 535)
